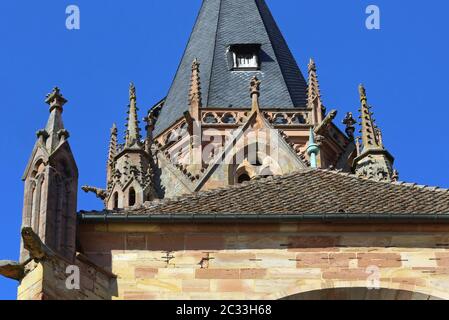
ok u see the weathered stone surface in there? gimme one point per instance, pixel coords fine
(11, 269)
(229, 261)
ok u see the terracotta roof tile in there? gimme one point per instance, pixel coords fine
(307, 192)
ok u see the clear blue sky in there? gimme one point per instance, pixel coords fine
(404, 67)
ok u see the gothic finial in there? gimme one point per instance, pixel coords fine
(255, 86)
(132, 92)
(55, 132)
(395, 176)
(314, 94)
(362, 92)
(114, 129)
(55, 99)
(255, 92)
(312, 65)
(195, 98)
(350, 122)
(133, 131)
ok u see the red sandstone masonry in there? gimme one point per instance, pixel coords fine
(145, 272)
(312, 260)
(381, 260)
(341, 260)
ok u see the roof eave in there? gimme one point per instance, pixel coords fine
(263, 218)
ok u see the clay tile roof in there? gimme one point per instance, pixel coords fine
(306, 192)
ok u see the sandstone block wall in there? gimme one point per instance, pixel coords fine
(268, 261)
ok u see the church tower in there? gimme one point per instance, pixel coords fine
(51, 183)
(209, 132)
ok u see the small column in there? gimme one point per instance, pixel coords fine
(313, 150)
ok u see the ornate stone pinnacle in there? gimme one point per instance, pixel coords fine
(195, 98)
(55, 99)
(114, 129)
(362, 92)
(395, 176)
(195, 65)
(312, 65)
(255, 86)
(132, 91)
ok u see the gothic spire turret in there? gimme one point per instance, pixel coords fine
(195, 97)
(133, 131)
(314, 94)
(51, 185)
(370, 132)
(374, 161)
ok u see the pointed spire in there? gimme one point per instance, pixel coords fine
(112, 153)
(313, 149)
(195, 97)
(370, 132)
(255, 93)
(373, 161)
(133, 131)
(314, 94)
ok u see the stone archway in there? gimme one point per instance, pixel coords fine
(360, 294)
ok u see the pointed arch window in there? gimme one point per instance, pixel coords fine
(115, 200)
(132, 197)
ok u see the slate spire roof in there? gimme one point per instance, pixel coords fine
(220, 24)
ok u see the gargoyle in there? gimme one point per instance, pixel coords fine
(31, 242)
(327, 121)
(100, 193)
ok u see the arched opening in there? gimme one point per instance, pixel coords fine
(115, 200)
(243, 178)
(132, 197)
(360, 294)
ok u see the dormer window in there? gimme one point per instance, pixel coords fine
(244, 57)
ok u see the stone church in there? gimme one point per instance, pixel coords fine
(239, 184)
